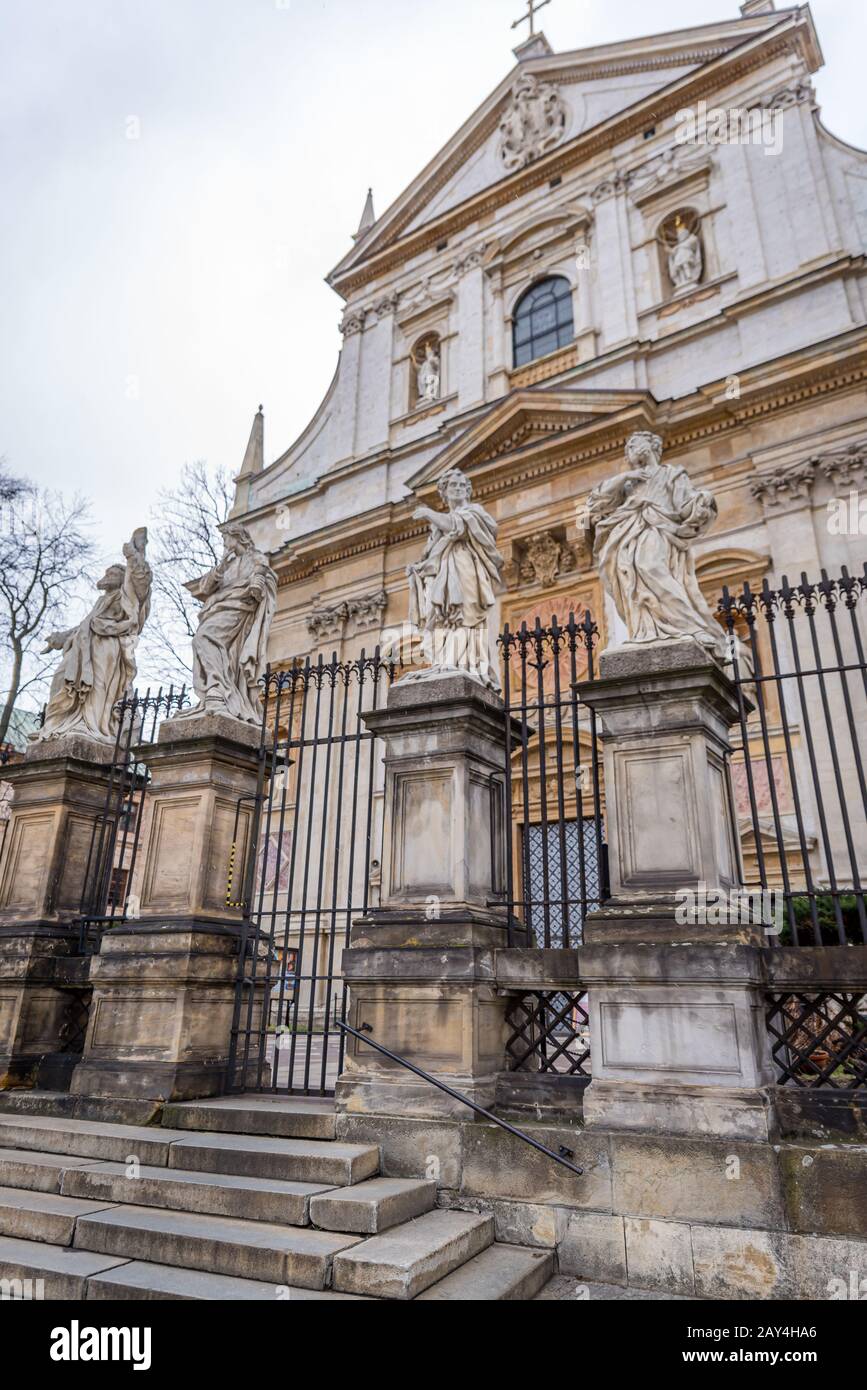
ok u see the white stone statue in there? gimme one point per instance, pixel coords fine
(644, 522)
(98, 666)
(238, 598)
(684, 258)
(428, 374)
(454, 585)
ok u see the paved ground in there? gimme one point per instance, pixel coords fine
(565, 1286)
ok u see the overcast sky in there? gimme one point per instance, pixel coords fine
(156, 289)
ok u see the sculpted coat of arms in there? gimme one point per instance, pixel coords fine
(532, 124)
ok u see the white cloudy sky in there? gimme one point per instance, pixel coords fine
(155, 290)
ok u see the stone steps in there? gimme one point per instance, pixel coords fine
(56, 1271)
(283, 1117)
(291, 1160)
(36, 1171)
(406, 1260)
(205, 1194)
(101, 1210)
(139, 1280)
(502, 1273)
(374, 1206)
(26, 1215)
(282, 1255)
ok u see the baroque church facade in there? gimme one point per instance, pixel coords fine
(576, 264)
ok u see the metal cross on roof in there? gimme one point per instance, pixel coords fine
(530, 15)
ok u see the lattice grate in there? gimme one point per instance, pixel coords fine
(819, 1039)
(549, 1032)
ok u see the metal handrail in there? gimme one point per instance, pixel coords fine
(560, 1157)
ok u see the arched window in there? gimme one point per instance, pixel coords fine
(543, 320)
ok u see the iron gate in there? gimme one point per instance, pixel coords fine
(317, 832)
(557, 871)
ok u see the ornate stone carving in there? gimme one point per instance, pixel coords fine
(364, 611)
(98, 665)
(665, 168)
(238, 598)
(453, 587)
(846, 467)
(790, 96)
(545, 557)
(386, 305)
(784, 484)
(532, 124)
(470, 261)
(617, 183)
(644, 522)
(353, 322)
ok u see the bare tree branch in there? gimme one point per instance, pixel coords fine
(45, 552)
(187, 543)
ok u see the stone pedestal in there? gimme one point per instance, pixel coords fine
(60, 795)
(665, 711)
(164, 984)
(420, 967)
(679, 1044)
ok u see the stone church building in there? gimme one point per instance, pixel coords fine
(591, 254)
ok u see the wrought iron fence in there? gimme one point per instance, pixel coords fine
(115, 838)
(819, 1039)
(556, 872)
(318, 832)
(798, 761)
(549, 1032)
(557, 865)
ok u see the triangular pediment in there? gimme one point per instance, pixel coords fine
(585, 91)
(531, 420)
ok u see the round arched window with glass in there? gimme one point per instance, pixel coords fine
(542, 320)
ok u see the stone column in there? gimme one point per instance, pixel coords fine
(164, 984)
(60, 796)
(420, 968)
(676, 1008)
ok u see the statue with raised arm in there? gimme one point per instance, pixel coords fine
(644, 522)
(97, 666)
(453, 587)
(238, 598)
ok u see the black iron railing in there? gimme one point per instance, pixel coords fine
(799, 760)
(563, 1157)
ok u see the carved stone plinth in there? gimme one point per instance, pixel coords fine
(164, 984)
(60, 792)
(420, 968)
(679, 1044)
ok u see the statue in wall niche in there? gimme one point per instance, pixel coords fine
(238, 598)
(97, 666)
(685, 262)
(427, 375)
(644, 522)
(453, 587)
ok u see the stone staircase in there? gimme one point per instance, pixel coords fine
(235, 1199)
